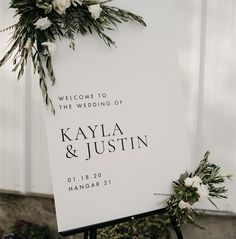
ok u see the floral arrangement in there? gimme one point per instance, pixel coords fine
(204, 183)
(42, 21)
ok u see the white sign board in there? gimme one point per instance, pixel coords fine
(118, 136)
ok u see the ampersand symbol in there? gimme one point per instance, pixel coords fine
(71, 153)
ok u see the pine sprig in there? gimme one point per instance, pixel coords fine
(8, 28)
(206, 182)
(114, 14)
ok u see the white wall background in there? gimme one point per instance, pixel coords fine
(12, 119)
(206, 33)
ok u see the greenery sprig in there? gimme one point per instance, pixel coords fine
(206, 182)
(42, 21)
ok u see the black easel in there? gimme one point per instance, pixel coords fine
(176, 228)
(91, 234)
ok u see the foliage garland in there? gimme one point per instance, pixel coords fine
(206, 182)
(42, 21)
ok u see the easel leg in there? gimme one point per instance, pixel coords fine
(86, 235)
(92, 234)
(176, 228)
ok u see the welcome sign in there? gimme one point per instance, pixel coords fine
(118, 136)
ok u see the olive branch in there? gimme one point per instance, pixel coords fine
(206, 182)
(32, 39)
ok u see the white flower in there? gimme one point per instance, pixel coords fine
(196, 182)
(183, 205)
(95, 10)
(28, 44)
(43, 23)
(188, 182)
(60, 6)
(74, 2)
(193, 182)
(203, 192)
(197, 179)
(51, 47)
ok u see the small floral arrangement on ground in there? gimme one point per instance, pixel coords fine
(42, 21)
(206, 182)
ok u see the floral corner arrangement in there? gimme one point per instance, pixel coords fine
(42, 21)
(206, 182)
